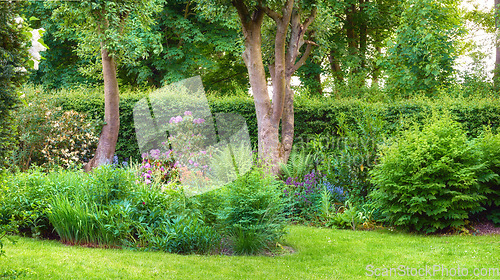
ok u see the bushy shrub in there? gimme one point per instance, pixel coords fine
(185, 233)
(52, 137)
(25, 203)
(427, 179)
(108, 207)
(489, 147)
(252, 213)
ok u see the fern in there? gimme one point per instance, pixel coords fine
(299, 164)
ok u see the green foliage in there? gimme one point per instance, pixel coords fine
(427, 180)
(51, 137)
(312, 116)
(420, 60)
(348, 216)
(183, 234)
(107, 207)
(299, 164)
(349, 157)
(179, 44)
(252, 213)
(15, 40)
(488, 145)
(25, 203)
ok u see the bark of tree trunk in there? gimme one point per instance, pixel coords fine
(280, 110)
(109, 134)
(363, 35)
(335, 67)
(376, 71)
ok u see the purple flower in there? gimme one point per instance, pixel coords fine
(188, 113)
(146, 166)
(177, 119)
(203, 152)
(147, 181)
(155, 154)
(190, 161)
(198, 121)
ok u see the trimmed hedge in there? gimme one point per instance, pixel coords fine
(312, 116)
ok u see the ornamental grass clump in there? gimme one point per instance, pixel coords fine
(427, 180)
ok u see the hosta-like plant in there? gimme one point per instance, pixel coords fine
(427, 180)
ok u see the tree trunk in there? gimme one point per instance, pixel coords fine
(335, 67)
(363, 35)
(496, 75)
(109, 134)
(376, 70)
(269, 115)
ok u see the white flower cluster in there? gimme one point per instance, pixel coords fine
(36, 46)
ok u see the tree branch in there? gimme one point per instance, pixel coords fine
(305, 56)
(272, 14)
(310, 19)
(288, 8)
(243, 12)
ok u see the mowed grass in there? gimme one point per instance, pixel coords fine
(320, 254)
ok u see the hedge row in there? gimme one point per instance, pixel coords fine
(311, 116)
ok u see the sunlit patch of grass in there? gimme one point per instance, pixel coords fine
(319, 254)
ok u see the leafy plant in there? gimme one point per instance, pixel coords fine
(488, 145)
(52, 137)
(185, 233)
(253, 213)
(299, 164)
(427, 179)
(303, 196)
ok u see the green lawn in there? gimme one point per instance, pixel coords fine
(320, 254)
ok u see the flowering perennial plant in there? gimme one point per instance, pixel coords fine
(303, 195)
(159, 167)
(191, 149)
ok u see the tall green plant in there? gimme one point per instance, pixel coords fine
(427, 179)
(252, 214)
(299, 164)
(489, 147)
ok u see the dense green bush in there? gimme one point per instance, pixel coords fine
(312, 116)
(108, 207)
(51, 136)
(252, 215)
(427, 179)
(489, 146)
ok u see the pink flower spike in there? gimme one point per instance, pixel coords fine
(188, 113)
(147, 181)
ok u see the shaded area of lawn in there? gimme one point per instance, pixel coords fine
(320, 254)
